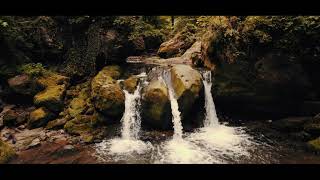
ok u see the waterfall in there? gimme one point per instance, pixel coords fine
(211, 118)
(129, 142)
(176, 118)
(131, 120)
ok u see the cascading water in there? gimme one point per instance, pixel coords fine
(211, 118)
(177, 149)
(223, 142)
(176, 119)
(129, 141)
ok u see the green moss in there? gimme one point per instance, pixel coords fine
(56, 124)
(6, 152)
(82, 124)
(113, 71)
(107, 96)
(39, 117)
(51, 98)
(32, 69)
(130, 84)
(315, 144)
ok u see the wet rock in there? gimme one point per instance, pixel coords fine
(156, 111)
(6, 152)
(188, 87)
(292, 124)
(39, 117)
(131, 84)
(107, 96)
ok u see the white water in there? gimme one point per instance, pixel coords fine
(220, 140)
(131, 124)
(211, 118)
(213, 143)
(176, 119)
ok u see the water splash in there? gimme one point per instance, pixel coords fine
(129, 141)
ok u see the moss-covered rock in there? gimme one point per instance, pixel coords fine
(87, 126)
(113, 71)
(107, 96)
(315, 144)
(156, 111)
(51, 98)
(131, 84)
(39, 118)
(6, 152)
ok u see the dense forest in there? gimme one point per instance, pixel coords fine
(65, 81)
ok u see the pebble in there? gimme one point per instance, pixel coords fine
(68, 147)
(34, 143)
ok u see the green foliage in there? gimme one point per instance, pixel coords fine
(33, 69)
(136, 26)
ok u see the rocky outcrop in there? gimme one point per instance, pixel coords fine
(273, 88)
(107, 96)
(156, 111)
(176, 46)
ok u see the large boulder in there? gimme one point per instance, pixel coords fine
(156, 110)
(107, 96)
(39, 117)
(176, 46)
(23, 84)
(6, 152)
(86, 126)
(52, 97)
(188, 87)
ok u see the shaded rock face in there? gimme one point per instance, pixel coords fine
(107, 96)
(175, 46)
(292, 124)
(39, 117)
(156, 110)
(188, 87)
(23, 84)
(273, 87)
